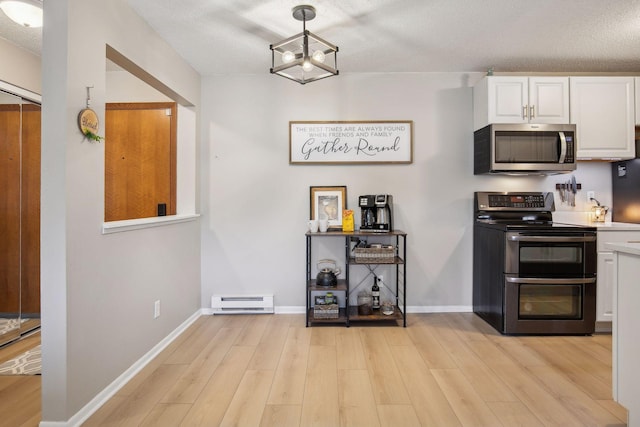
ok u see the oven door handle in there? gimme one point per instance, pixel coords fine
(551, 239)
(546, 281)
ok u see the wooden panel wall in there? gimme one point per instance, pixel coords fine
(31, 137)
(140, 160)
(9, 208)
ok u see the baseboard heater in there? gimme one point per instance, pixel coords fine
(242, 304)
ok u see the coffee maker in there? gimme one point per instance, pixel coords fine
(376, 213)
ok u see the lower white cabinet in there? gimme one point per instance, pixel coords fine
(606, 270)
(604, 306)
(625, 345)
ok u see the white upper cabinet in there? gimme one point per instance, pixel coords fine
(511, 99)
(603, 110)
(549, 99)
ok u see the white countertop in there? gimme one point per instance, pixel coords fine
(606, 226)
(632, 248)
(584, 219)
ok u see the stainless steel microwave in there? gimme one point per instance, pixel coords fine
(540, 149)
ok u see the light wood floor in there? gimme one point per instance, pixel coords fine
(442, 370)
(19, 395)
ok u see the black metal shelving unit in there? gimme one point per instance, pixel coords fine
(349, 313)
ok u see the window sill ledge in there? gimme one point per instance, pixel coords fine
(137, 224)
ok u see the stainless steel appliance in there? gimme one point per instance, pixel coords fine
(625, 179)
(376, 212)
(524, 149)
(531, 275)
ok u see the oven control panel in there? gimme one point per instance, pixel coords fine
(516, 201)
(530, 201)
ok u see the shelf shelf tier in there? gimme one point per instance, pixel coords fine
(342, 286)
(394, 260)
(376, 315)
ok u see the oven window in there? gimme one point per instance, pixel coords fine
(527, 147)
(551, 254)
(550, 301)
(546, 260)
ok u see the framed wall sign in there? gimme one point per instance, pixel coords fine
(350, 142)
(328, 203)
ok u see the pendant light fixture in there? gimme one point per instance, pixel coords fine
(27, 13)
(304, 57)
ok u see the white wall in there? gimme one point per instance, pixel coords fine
(19, 67)
(122, 86)
(98, 290)
(255, 204)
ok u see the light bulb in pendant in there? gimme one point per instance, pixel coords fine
(27, 13)
(288, 57)
(307, 65)
(318, 56)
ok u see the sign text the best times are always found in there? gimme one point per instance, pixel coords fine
(350, 142)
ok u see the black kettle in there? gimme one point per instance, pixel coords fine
(327, 276)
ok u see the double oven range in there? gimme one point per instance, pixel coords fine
(531, 275)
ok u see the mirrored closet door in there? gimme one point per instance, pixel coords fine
(20, 122)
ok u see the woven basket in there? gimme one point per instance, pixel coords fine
(326, 311)
(375, 255)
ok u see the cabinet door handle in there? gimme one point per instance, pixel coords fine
(517, 237)
(524, 112)
(532, 111)
(544, 280)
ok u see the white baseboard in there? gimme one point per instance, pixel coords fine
(439, 309)
(107, 393)
(295, 309)
(290, 309)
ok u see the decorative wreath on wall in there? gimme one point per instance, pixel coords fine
(89, 125)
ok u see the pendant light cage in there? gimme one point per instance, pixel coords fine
(304, 57)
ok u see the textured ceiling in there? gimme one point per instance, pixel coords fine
(221, 37)
(27, 38)
(218, 36)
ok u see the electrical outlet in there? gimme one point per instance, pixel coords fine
(591, 195)
(156, 309)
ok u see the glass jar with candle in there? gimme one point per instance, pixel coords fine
(598, 212)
